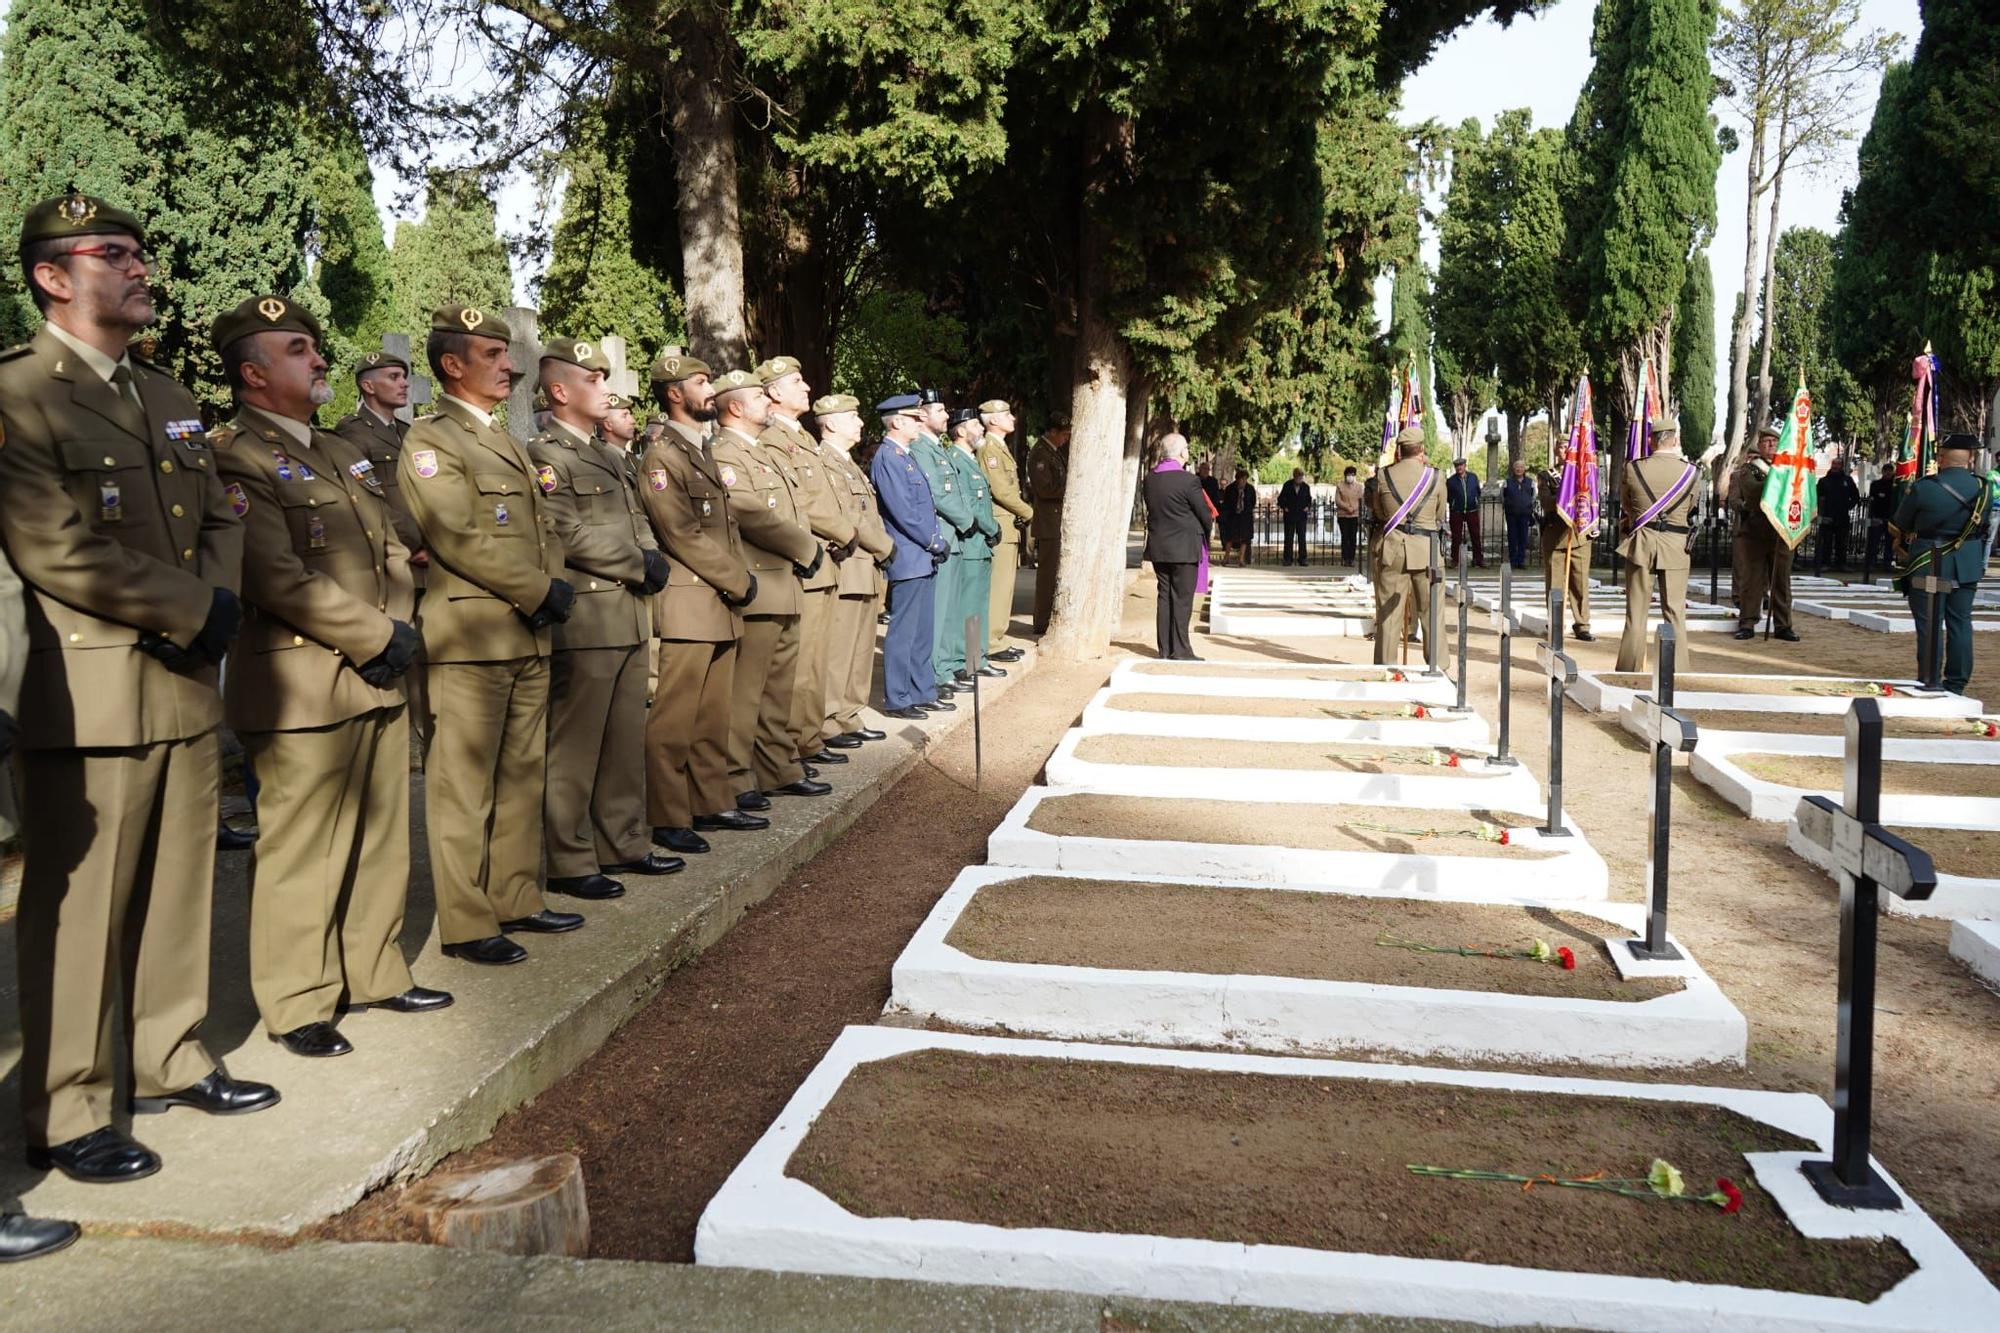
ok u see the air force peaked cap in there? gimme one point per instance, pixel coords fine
(902, 402)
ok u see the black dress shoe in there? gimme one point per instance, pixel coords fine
(652, 863)
(229, 839)
(803, 787)
(24, 1237)
(962, 676)
(315, 1041)
(494, 951)
(1005, 655)
(1582, 634)
(596, 887)
(218, 1094)
(683, 840)
(1788, 635)
(543, 922)
(101, 1157)
(940, 706)
(1187, 657)
(955, 686)
(1744, 634)
(809, 770)
(826, 757)
(752, 800)
(846, 740)
(734, 821)
(869, 734)
(913, 713)
(415, 1000)
(992, 671)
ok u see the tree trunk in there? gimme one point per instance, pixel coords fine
(1762, 409)
(1739, 347)
(705, 178)
(1517, 448)
(1090, 584)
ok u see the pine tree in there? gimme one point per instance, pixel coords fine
(595, 284)
(1694, 356)
(454, 255)
(1409, 336)
(1535, 342)
(89, 98)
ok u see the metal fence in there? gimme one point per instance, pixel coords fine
(1829, 546)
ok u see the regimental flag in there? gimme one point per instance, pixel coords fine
(1412, 413)
(1791, 496)
(1918, 456)
(1579, 499)
(1639, 438)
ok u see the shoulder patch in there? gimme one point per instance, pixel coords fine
(657, 478)
(424, 462)
(728, 475)
(545, 477)
(239, 499)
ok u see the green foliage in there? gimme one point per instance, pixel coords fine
(1640, 170)
(1410, 335)
(353, 271)
(1694, 356)
(88, 97)
(1537, 346)
(892, 345)
(454, 255)
(595, 285)
(1463, 313)
(1802, 341)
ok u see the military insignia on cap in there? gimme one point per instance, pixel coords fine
(546, 477)
(239, 499)
(77, 209)
(271, 308)
(584, 351)
(657, 478)
(471, 318)
(424, 462)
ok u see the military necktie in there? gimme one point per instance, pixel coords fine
(128, 398)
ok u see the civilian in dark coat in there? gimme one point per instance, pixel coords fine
(1239, 515)
(1295, 503)
(1177, 527)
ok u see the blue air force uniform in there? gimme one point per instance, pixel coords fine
(920, 544)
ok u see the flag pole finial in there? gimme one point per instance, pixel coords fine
(1927, 347)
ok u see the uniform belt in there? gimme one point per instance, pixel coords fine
(1678, 529)
(1423, 532)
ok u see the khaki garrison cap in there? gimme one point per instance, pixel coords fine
(1664, 430)
(835, 402)
(770, 372)
(1409, 435)
(470, 319)
(994, 406)
(379, 360)
(263, 314)
(75, 214)
(735, 379)
(578, 352)
(618, 402)
(673, 365)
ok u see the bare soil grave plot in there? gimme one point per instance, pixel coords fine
(1899, 727)
(1368, 757)
(1203, 705)
(1298, 972)
(1827, 773)
(1610, 691)
(1327, 828)
(957, 1157)
(1967, 861)
(1323, 673)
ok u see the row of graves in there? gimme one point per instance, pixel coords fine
(1877, 607)
(1225, 1018)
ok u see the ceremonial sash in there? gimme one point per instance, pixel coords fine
(1417, 494)
(1674, 493)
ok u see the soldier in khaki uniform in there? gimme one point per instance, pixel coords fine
(113, 517)
(496, 588)
(783, 553)
(1048, 478)
(1409, 513)
(313, 689)
(797, 451)
(1562, 551)
(689, 790)
(996, 460)
(1659, 500)
(851, 628)
(383, 379)
(596, 802)
(1763, 558)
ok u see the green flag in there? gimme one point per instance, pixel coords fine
(1791, 497)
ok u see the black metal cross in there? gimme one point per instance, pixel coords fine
(1464, 614)
(1867, 858)
(1670, 733)
(1561, 669)
(1504, 625)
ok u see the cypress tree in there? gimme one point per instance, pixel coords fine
(1694, 355)
(595, 285)
(89, 98)
(454, 255)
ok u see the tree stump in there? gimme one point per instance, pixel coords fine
(534, 1206)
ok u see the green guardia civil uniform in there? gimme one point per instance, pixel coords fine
(1943, 519)
(954, 506)
(975, 588)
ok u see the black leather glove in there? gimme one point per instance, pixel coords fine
(555, 606)
(10, 731)
(656, 573)
(807, 571)
(749, 594)
(394, 659)
(225, 616)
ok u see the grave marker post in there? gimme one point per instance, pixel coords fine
(974, 645)
(1464, 615)
(1504, 625)
(524, 322)
(1561, 669)
(1930, 661)
(1670, 733)
(1867, 858)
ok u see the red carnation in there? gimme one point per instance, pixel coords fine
(1451, 761)
(1888, 690)
(1418, 711)
(1568, 958)
(1990, 729)
(1505, 837)
(1733, 1197)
